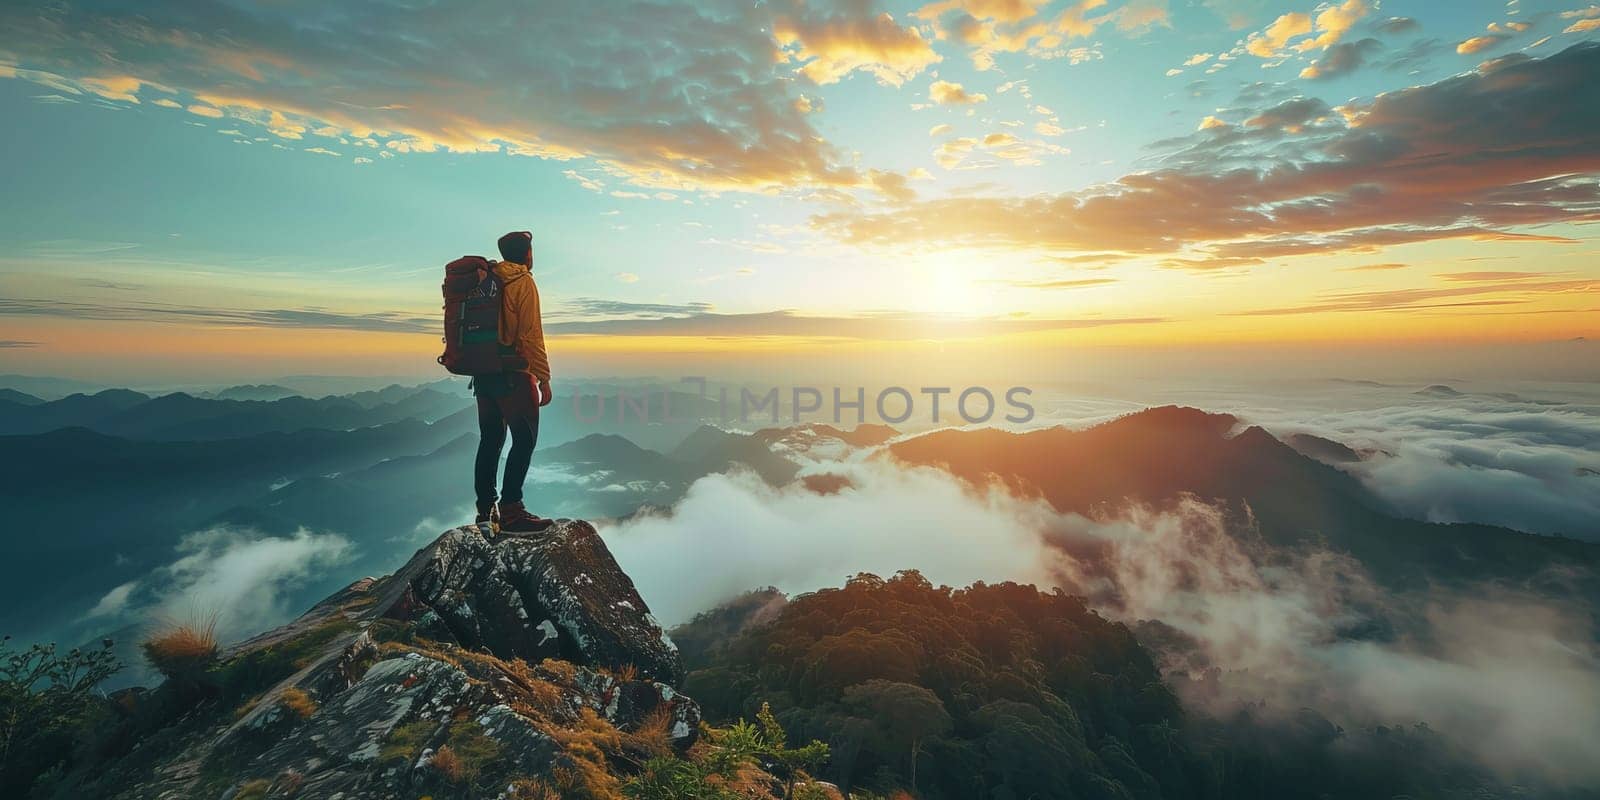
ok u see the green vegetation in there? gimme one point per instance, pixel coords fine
(405, 742)
(989, 691)
(733, 763)
(48, 706)
(252, 673)
(1003, 691)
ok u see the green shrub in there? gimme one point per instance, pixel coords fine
(48, 702)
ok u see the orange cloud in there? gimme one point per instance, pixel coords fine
(1329, 24)
(1478, 44)
(1268, 43)
(1514, 143)
(953, 94)
(989, 27)
(831, 46)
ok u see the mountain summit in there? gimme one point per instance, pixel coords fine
(485, 661)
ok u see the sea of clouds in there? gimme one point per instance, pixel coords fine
(1507, 676)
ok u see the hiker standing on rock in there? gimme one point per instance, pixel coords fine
(493, 332)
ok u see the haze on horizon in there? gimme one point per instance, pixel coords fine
(218, 192)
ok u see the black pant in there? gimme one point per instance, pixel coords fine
(517, 411)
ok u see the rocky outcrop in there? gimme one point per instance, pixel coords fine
(488, 662)
(556, 595)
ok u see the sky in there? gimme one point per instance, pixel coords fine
(240, 190)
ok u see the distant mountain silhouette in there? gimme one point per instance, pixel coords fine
(255, 391)
(72, 410)
(800, 436)
(15, 397)
(371, 486)
(1155, 456)
(180, 416)
(130, 502)
(711, 449)
(1327, 451)
(47, 388)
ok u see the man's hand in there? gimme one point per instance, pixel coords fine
(545, 396)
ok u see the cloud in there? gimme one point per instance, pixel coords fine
(877, 326)
(1268, 629)
(1269, 42)
(991, 27)
(1511, 679)
(953, 94)
(747, 534)
(1513, 143)
(1583, 26)
(958, 153)
(1484, 456)
(623, 308)
(1478, 44)
(1487, 458)
(316, 318)
(245, 579)
(1483, 292)
(17, 344)
(627, 277)
(1328, 23)
(830, 43)
(1375, 267)
(1138, 16)
(1341, 59)
(1073, 283)
(666, 96)
(893, 185)
(1398, 26)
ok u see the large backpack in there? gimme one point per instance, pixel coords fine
(471, 317)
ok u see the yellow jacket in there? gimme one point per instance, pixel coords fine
(521, 324)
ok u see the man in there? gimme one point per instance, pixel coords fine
(511, 399)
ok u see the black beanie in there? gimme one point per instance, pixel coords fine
(517, 246)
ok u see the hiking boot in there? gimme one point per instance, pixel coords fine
(514, 518)
(486, 513)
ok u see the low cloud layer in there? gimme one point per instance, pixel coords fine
(1499, 459)
(240, 578)
(1527, 460)
(1509, 679)
(732, 532)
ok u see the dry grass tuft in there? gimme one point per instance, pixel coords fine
(298, 701)
(653, 734)
(448, 764)
(183, 650)
(583, 770)
(563, 670)
(532, 789)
